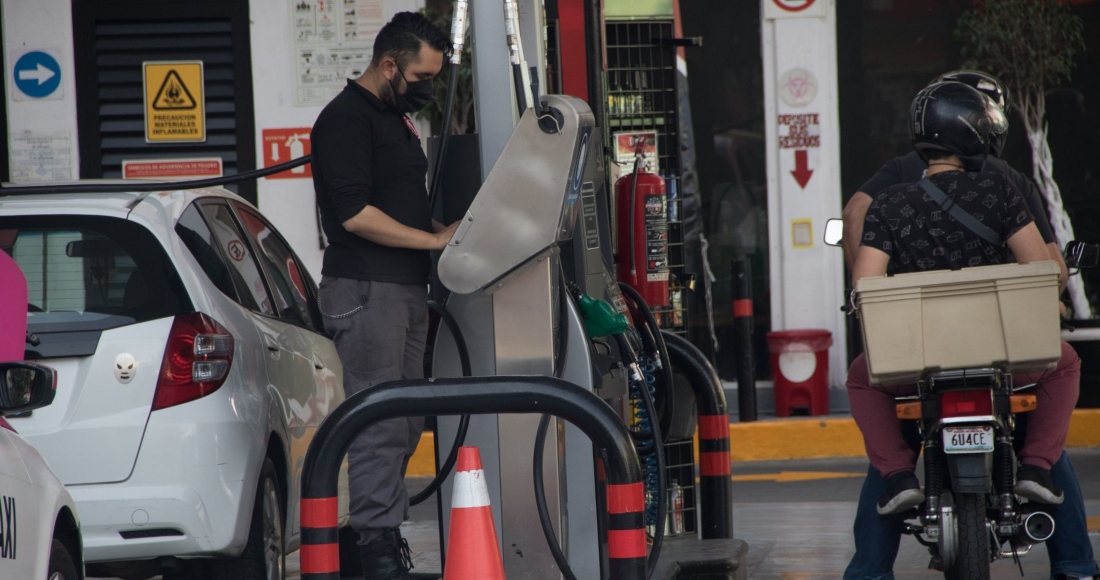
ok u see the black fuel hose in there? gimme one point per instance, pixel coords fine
(658, 451)
(647, 399)
(464, 422)
(540, 439)
(638, 159)
(657, 336)
(444, 136)
(540, 502)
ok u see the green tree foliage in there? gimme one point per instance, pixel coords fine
(1029, 44)
(462, 119)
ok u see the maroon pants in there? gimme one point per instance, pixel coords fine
(1048, 424)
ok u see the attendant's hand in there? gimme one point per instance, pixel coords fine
(443, 236)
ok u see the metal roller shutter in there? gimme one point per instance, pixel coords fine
(113, 41)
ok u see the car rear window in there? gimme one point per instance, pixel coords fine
(90, 273)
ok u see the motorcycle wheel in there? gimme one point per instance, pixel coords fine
(972, 559)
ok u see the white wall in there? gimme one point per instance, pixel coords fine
(41, 25)
(807, 284)
(288, 203)
(46, 25)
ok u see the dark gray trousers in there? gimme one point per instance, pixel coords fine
(380, 330)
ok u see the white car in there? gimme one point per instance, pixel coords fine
(193, 371)
(39, 529)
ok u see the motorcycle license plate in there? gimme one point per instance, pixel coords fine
(968, 439)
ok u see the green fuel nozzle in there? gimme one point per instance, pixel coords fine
(600, 318)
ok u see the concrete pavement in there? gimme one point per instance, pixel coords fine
(796, 516)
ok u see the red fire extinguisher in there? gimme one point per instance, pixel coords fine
(642, 232)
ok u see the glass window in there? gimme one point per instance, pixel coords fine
(727, 197)
(91, 272)
(197, 237)
(246, 275)
(290, 290)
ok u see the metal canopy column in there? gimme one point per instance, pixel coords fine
(492, 80)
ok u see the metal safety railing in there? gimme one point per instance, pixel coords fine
(715, 486)
(626, 542)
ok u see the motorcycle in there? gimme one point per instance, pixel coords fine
(967, 420)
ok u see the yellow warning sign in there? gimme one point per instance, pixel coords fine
(174, 104)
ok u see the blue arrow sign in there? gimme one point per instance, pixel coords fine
(37, 74)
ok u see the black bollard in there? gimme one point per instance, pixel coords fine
(742, 347)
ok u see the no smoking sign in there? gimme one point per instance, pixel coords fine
(794, 5)
(793, 8)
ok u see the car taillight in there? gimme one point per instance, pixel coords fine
(196, 360)
(4, 423)
(966, 403)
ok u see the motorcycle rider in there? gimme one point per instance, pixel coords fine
(877, 539)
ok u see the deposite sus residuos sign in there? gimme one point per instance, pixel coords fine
(174, 104)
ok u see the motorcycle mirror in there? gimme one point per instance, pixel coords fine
(1081, 254)
(834, 232)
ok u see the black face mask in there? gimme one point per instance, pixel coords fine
(416, 97)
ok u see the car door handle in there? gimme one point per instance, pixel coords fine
(271, 343)
(317, 363)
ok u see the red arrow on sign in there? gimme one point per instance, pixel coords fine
(802, 171)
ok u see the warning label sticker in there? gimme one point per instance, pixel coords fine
(174, 104)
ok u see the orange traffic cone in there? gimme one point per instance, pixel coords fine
(472, 551)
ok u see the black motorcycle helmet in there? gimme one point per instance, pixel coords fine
(955, 118)
(989, 86)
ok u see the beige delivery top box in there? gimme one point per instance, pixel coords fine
(990, 316)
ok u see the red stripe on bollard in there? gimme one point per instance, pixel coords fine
(625, 544)
(714, 463)
(625, 498)
(742, 308)
(319, 513)
(320, 558)
(714, 427)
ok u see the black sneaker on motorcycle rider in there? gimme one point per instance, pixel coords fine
(1035, 484)
(903, 493)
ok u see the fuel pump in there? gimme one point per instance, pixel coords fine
(533, 290)
(642, 232)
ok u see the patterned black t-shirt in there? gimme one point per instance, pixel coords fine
(908, 224)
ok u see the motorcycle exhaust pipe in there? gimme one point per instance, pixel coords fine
(1038, 526)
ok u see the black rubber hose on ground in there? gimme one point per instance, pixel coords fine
(464, 422)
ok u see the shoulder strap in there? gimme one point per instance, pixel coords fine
(968, 221)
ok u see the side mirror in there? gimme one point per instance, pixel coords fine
(25, 387)
(1081, 254)
(834, 232)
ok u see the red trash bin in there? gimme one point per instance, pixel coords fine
(800, 365)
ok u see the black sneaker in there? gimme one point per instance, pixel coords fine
(902, 494)
(387, 558)
(1035, 484)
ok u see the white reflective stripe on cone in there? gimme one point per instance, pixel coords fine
(470, 490)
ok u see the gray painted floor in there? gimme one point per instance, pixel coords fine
(800, 530)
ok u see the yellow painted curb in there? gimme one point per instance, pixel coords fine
(422, 463)
(795, 438)
(1084, 428)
